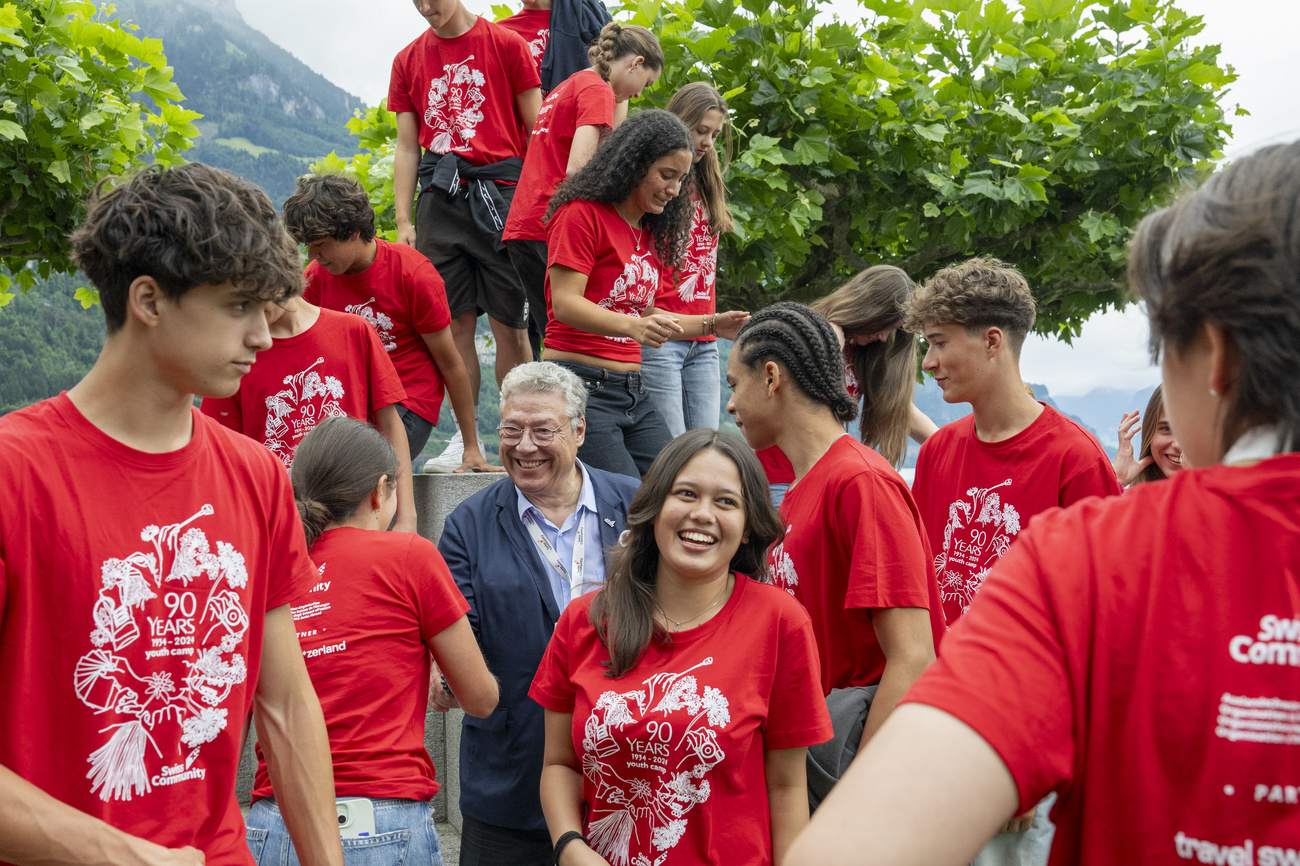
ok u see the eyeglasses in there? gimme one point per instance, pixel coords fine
(542, 436)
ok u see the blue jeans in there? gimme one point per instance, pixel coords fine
(777, 492)
(404, 834)
(682, 378)
(625, 433)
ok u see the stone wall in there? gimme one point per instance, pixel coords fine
(435, 497)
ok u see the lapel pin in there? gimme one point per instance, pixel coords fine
(609, 521)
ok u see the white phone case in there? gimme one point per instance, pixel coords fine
(356, 817)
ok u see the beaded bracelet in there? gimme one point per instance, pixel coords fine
(564, 840)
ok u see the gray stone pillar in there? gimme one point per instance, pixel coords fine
(435, 497)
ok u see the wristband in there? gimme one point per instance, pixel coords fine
(564, 840)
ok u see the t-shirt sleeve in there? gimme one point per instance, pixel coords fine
(292, 571)
(385, 385)
(438, 601)
(399, 92)
(888, 565)
(572, 236)
(595, 106)
(1093, 476)
(311, 288)
(225, 411)
(452, 548)
(1004, 668)
(428, 298)
(796, 710)
(519, 63)
(553, 686)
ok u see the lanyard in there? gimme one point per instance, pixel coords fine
(574, 577)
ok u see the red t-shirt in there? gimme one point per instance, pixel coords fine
(622, 274)
(367, 628)
(534, 27)
(133, 594)
(976, 496)
(853, 543)
(582, 99)
(672, 752)
(402, 297)
(691, 289)
(464, 90)
(1138, 655)
(335, 368)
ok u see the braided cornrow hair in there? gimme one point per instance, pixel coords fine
(802, 341)
(619, 40)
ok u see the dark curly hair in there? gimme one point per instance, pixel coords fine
(328, 206)
(803, 341)
(620, 165)
(188, 226)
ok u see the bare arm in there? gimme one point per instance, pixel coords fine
(928, 791)
(35, 828)
(562, 790)
(390, 426)
(456, 377)
(406, 163)
(905, 639)
(786, 772)
(620, 112)
(291, 730)
(574, 310)
(529, 103)
(920, 427)
(461, 662)
(725, 325)
(585, 141)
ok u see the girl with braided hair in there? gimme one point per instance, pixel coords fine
(611, 228)
(854, 551)
(573, 119)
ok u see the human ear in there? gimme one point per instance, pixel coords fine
(580, 432)
(1224, 359)
(994, 340)
(380, 492)
(772, 374)
(143, 297)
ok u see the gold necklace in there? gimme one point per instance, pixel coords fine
(637, 233)
(678, 623)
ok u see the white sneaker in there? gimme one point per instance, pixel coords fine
(450, 458)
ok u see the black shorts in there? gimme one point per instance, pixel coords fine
(479, 278)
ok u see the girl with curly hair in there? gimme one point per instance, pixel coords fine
(611, 229)
(682, 378)
(681, 698)
(575, 116)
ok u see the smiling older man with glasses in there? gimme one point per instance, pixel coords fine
(520, 551)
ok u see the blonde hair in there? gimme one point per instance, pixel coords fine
(619, 40)
(872, 301)
(979, 293)
(691, 103)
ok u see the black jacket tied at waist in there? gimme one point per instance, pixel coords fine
(445, 171)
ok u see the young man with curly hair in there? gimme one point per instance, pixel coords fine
(396, 290)
(981, 478)
(148, 555)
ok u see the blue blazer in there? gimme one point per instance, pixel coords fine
(513, 612)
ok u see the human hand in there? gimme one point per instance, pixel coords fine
(1019, 823)
(1126, 469)
(476, 462)
(440, 700)
(654, 330)
(406, 234)
(727, 325)
(148, 854)
(577, 853)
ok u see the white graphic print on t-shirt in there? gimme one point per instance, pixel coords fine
(978, 532)
(699, 267)
(538, 46)
(783, 573)
(201, 626)
(633, 291)
(652, 774)
(295, 410)
(454, 100)
(378, 320)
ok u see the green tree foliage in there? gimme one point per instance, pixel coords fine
(82, 99)
(932, 131)
(48, 343)
(376, 133)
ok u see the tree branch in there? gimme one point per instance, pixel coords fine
(8, 208)
(1091, 288)
(19, 241)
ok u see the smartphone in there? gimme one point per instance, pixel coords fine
(356, 818)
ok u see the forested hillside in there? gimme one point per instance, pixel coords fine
(47, 342)
(267, 116)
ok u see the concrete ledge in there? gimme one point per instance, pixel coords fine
(435, 498)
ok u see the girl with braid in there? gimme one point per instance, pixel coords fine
(682, 377)
(854, 552)
(611, 228)
(571, 123)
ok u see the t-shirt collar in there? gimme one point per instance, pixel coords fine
(1257, 443)
(586, 499)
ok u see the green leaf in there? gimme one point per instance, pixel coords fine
(5, 298)
(733, 93)
(1046, 10)
(930, 209)
(10, 130)
(763, 148)
(957, 162)
(59, 168)
(982, 186)
(501, 10)
(88, 297)
(930, 131)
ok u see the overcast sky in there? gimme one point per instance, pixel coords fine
(354, 49)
